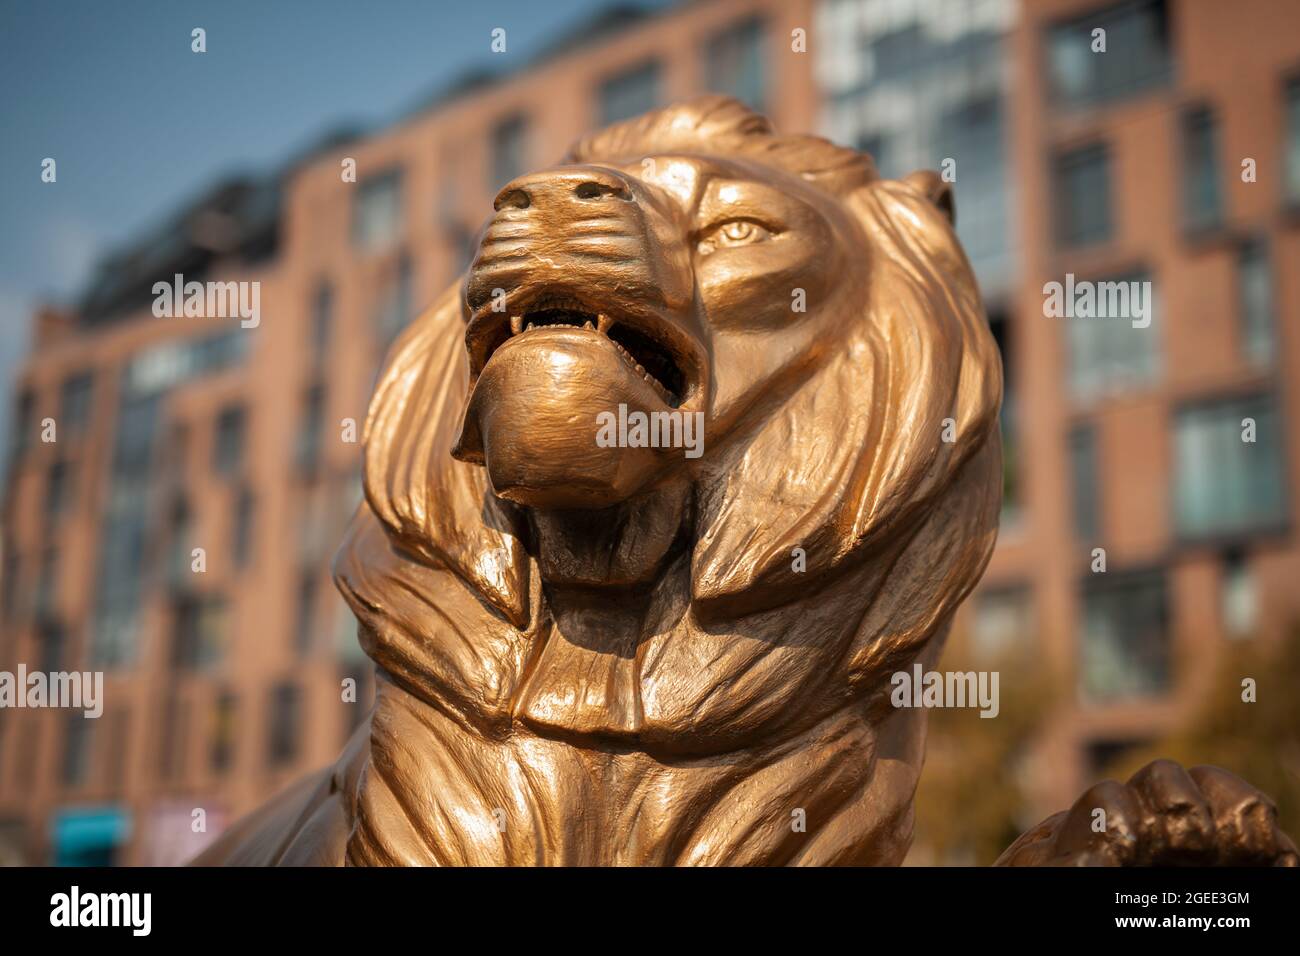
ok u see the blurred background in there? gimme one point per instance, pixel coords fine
(1172, 157)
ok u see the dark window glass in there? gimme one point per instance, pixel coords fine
(223, 731)
(1202, 195)
(305, 635)
(179, 560)
(175, 732)
(629, 94)
(118, 721)
(74, 402)
(51, 645)
(396, 310)
(13, 570)
(1010, 421)
(241, 538)
(1255, 301)
(1137, 53)
(59, 486)
(377, 211)
(1229, 471)
(310, 431)
(734, 63)
(286, 705)
(126, 522)
(22, 425)
(201, 626)
(363, 673)
(509, 150)
(1125, 645)
(228, 443)
(1082, 179)
(76, 749)
(47, 585)
(322, 321)
(1291, 162)
(1115, 347)
(1085, 477)
(1002, 622)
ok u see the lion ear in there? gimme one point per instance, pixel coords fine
(936, 189)
(437, 508)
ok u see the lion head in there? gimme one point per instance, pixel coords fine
(823, 325)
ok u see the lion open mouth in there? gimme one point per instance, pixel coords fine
(653, 361)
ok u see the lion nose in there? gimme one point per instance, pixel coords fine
(572, 185)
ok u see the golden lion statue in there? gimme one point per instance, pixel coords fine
(705, 449)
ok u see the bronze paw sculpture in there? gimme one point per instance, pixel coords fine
(703, 450)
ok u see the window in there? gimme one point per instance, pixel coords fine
(223, 731)
(47, 585)
(395, 308)
(1125, 645)
(509, 150)
(51, 645)
(22, 425)
(117, 723)
(629, 94)
(1009, 418)
(1291, 162)
(241, 536)
(285, 716)
(1082, 180)
(201, 626)
(59, 486)
(1228, 468)
(1085, 478)
(74, 402)
(377, 211)
(76, 749)
(734, 63)
(9, 589)
(462, 244)
(362, 672)
(1255, 302)
(1002, 622)
(228, 443)
(322, 322)
(172, 747)
(1108, 353)
(1136, 58)
(179, 558)
(305, 635)
(309, 433)
(1202, 196)
(1238, 596)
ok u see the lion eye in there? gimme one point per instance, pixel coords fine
(735, 232)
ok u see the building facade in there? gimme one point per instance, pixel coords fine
(177, 532)
(228, 667)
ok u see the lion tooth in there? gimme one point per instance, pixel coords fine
(603, 322)
(588, 325)
(516, 324)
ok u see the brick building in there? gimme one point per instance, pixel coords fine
(177, 434)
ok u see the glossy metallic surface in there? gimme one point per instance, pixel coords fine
(596, 653)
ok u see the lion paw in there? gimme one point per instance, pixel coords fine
(1163, 816)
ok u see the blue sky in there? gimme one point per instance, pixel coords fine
(138, 123)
